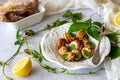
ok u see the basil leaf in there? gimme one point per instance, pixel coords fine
(113, 37)
(74, 20)
(65, 56)
(115, 52)
(78, 26)
(97, 24)
(93, 31)
(89, 21)
(72, 47)
(91, 44)
(68, 14)
(78, 16)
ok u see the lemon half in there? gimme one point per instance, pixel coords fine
(117, 19)
(22, 67)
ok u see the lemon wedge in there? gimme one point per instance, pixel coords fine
(22, 67)
(117, 19)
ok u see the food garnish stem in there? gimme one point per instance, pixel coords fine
(5, 63)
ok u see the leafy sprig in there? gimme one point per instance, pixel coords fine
(74, 17)
(1, 63)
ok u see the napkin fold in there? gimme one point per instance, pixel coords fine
(57, 6)
(112, 67)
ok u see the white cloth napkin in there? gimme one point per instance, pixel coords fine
(112, 67)
(57, 6)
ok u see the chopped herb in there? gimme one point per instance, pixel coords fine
(87, 54)
(78, 55)
(72, 47)
(65, 56)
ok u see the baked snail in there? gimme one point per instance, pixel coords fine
(75, 48)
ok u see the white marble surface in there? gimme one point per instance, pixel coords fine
(7, 38)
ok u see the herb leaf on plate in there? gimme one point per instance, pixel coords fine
(78, 26)
(93, 31)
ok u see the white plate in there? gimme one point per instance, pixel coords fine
(28, 21)
(50, 51)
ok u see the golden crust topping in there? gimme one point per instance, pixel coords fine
(18, 4)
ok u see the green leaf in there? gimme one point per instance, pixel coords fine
(78, 26)
(18, 42)
(89, 21)
(113, 37)
(65, 56)
(72, 47)
(18, 33)
(115, 52)
(97, 24)
(93, 31)
(78, 16)
(1, 63)
(62, 22)
(91, 44)
(74, 20)
(68, 14)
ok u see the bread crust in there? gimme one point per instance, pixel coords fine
(14, 10)
(18, 5)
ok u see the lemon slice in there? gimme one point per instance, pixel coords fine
(22, 67)
(117, 19)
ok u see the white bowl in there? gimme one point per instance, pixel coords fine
(28, 21)
(50, 51)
